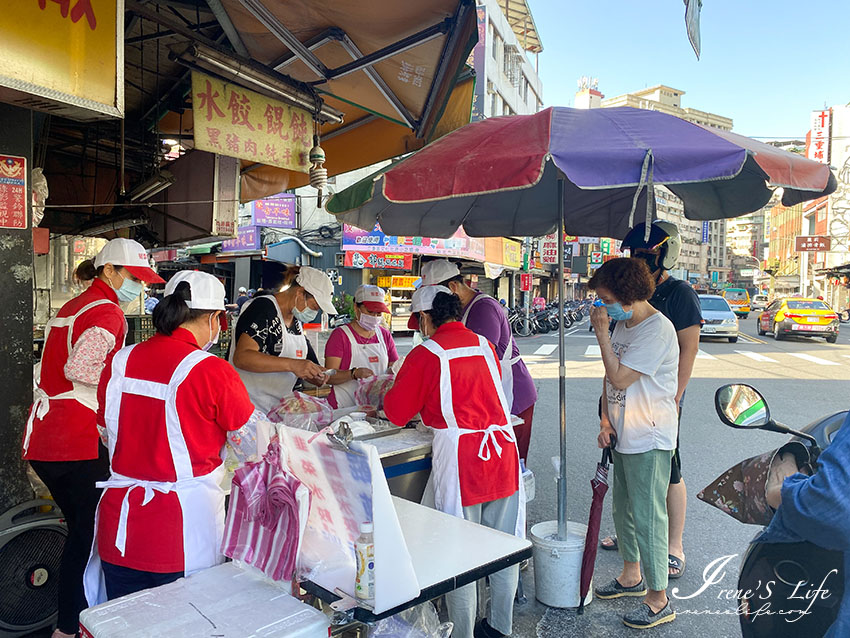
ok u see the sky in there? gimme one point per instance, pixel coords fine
(765, 63)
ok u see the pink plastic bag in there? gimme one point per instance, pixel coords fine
(303, 412)
(372, 391)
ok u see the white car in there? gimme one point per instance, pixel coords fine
(759, 302)
(718, 320)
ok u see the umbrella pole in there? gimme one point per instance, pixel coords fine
(562, 372)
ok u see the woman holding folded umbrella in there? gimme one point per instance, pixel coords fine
(641, 379)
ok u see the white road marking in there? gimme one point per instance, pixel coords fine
(756, 356)
(846, 356)
(547, 349)
(593, 351)
(704, 355)
(818, 360)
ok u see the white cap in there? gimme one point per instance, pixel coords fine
(131, 255)
(207, 292)
(372, 297)
(243, 289)
(438, 271)
(319, 285)
(423, 299)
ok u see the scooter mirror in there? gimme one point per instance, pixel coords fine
(741, 406)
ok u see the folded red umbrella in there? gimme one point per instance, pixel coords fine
(599, 484)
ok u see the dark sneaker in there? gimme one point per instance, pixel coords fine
(644, 618)
(484, 630)
(615, 590)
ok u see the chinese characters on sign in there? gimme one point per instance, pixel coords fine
(389, 261)
(13, 190)
(248, 238)
(818, 145)
(525, 282)
(397, 282)
(549, 249)
(274, 212)
(236, 122)
(814, 243)
(458, 245)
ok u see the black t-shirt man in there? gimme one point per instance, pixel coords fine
(677, 301)
(261, 322)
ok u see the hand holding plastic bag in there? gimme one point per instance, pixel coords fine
(372, 391)
(302, 411)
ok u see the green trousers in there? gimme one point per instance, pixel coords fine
(640, 511)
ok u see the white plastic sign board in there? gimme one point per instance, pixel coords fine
(348, 488)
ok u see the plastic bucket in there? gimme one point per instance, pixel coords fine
(557, 564)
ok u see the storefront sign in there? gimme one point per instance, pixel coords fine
(817, 147)
(458, 245)
(79, 246)
(399, 282)
(549, 249)
(705, 232)
(814, 243)
(525, 282)
(605, 245)
(596, 258)
(388, 261)
(274, 212)
(569, 252)
(247, 238)
(511, 253)
(68, 52)
(13, 191)
(476, 60)
(588, 240)
(240, 123)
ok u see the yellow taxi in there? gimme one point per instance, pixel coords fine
(739, 300)
(799, 316)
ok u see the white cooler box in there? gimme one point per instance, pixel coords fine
(224, 601)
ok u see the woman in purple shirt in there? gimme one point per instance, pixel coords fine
(485, 316)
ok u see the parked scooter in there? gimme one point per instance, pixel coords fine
(770, 572)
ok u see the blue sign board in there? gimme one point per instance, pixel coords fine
(705, 232)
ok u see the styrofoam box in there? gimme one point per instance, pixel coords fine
(224, 601)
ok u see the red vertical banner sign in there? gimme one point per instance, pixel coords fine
(525, 282)
(13, 191)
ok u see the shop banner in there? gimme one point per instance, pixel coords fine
(236, 122)
(13, 191)
(588, 240)
(549, 249)
(247, 238)
(68, 52)
(458, 245)
(388, 261)
(512, 253)
(274, 212)
(477, 58)
(399, 282)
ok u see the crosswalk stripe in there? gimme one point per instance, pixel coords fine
(810, 358)
(546, 349)
(756, 356)
(704, 355)
(846, 356)
(593, 351)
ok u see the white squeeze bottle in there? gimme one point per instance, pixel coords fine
(364, 549)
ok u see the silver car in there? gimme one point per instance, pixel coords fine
(718, 320)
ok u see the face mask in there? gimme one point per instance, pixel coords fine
(214, 340)
(369, 322)
(616, 312)
(304, 316)
(129, 289)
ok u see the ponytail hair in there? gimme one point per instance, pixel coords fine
(172, 312)
(277, 276)
(85, 271)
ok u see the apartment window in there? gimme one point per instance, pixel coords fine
(497, 46)
(494, 104)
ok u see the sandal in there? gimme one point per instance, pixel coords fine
(609, 543)
(674, 562)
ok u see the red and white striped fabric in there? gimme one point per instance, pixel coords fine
(266, 518)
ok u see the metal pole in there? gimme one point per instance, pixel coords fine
(562, 371)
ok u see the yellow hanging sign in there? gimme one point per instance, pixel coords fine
(234, 121)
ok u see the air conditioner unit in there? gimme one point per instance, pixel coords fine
(339, 260)
(31, 544)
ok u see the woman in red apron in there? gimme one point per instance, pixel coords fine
(167, 406)
(452, 380)
(359, 349)
(61, 439)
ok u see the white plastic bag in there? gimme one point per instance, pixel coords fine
(417, 622)
(302, 411)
